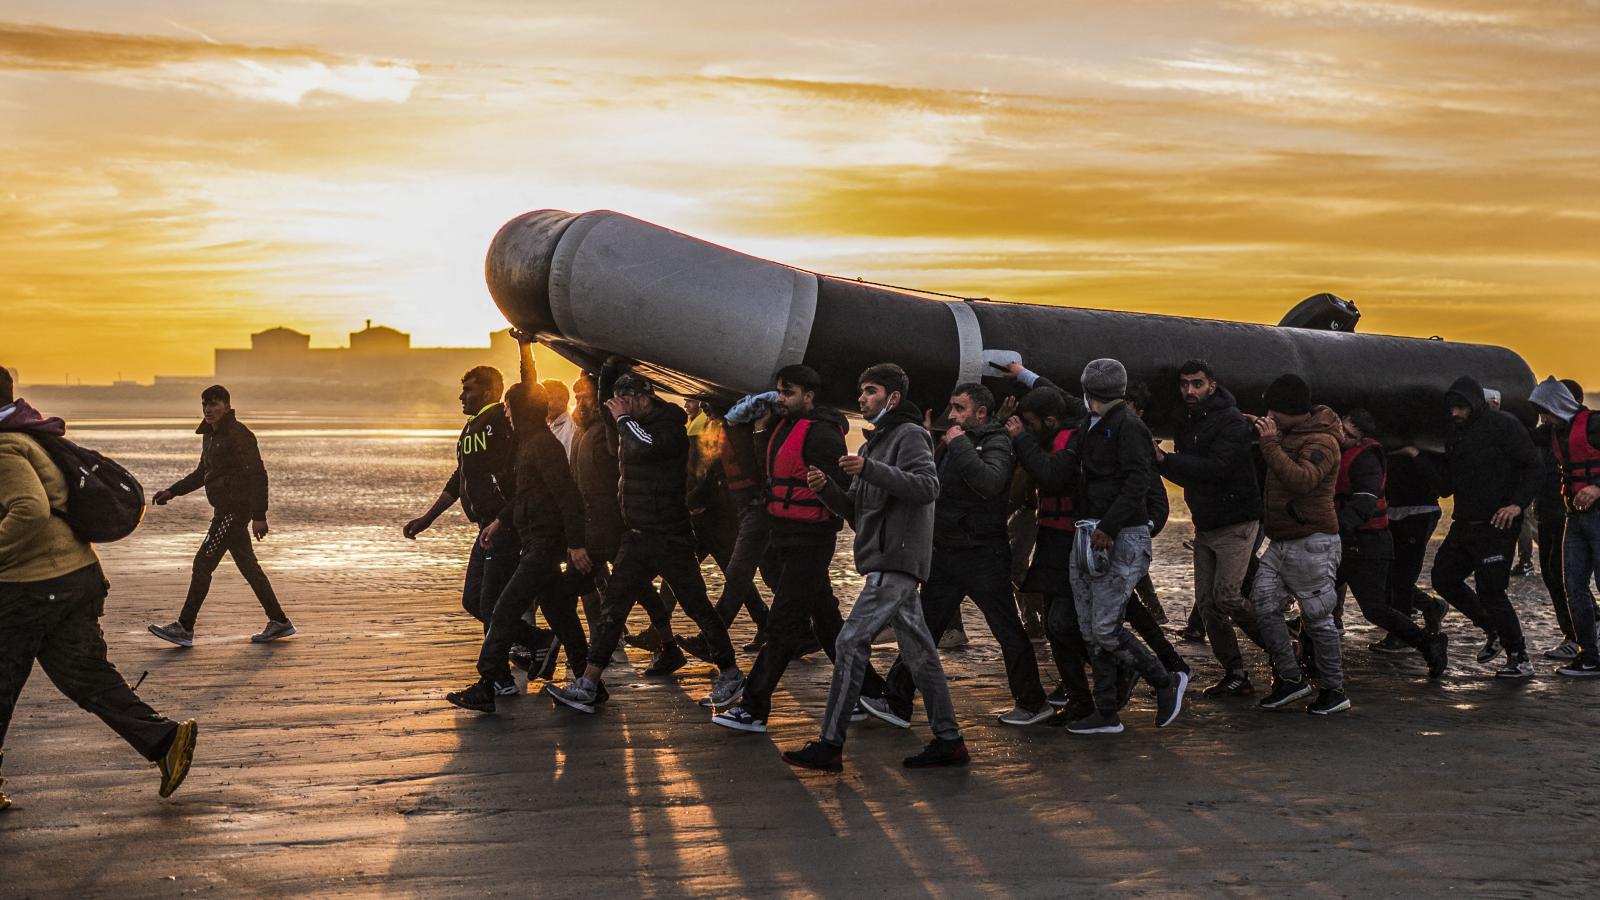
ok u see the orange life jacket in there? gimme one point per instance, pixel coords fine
(788, 496)
(1341, 488)
(1580, 460)
(1055, 510)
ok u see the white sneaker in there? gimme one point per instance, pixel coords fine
(1021, 716)
(1563, 650)
(880, 707)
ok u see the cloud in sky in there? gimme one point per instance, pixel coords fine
(1435, 162)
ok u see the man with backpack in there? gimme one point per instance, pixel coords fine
(236, 486)
(52, 593)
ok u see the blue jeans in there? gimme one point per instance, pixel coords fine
(1581, 558)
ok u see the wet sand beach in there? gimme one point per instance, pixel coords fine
(330, 763)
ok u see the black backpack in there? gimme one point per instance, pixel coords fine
(105, 502)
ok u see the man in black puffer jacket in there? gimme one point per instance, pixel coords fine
(1213, 464)
(1493, 471)
(235, 481)
(653, 450)
(972, 553)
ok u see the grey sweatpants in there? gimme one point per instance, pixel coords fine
(887, 598)
(1102, 602)
(1302, 569)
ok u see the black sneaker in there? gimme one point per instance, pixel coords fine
(1097, 722)
(649, 639)
(1437, 654)
(697, 646)
(1328, 702)
(756, 643)
(740, 719)
(477, 697)
(1523, 568)
(1286, 692)
(1070, 713)
(819, 755)
(1233, 684)
(1491, 648)
(545, 663)
(669, 660)
(1169, 700)
(1058, 697)
(1392, 645)
(939, 752)
(506, 688)
(521, 657)
(1580, 668)
(1433, 615)
(1517, 667)
(1192, 635)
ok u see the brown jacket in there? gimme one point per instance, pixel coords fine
(1302, 467)
(34, 544)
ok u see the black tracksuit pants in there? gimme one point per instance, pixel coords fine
(1551, 536)
(57, 622)
(1368, 581)
(802, 604)
(1411, 536)
(984, 574)
(640, 559)
(1484, 553)
(488, 570)
(229, 533)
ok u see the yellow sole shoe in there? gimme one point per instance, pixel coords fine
(175, 765)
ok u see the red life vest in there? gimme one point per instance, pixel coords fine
(1580, 460)
(733, 469)
(1055, 510)
(1341, 488)
(788, 496)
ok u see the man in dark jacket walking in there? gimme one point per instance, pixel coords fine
(653, 451)
(1113, 461)
(235, 481)
(1212, 463)
(889, 502)
(1493, 471)
(546, 509)
(804, 533)
(972, 556)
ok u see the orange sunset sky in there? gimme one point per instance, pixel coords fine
(179, 174)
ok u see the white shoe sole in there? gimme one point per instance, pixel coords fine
(1585, 673)
(586, 708)
(886, 716)
(1103, 729)
(734, 725)
(171, 640)
(1183, 685)
(1301, 694)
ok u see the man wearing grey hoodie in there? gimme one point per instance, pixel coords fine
(1575, 437)
(889, 504)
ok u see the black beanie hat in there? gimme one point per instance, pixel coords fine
(1289, 394)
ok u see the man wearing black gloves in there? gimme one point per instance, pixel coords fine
(546, 509)
(1212, 463)
(1360, 499)
(653, 450)
(1493, 471)
(236, 487)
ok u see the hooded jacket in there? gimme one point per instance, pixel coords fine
(653, 451)
(1302, 469)
(546, 506)
(1489, 460)
(1213, 464)
(485, 455)
(890, 504)
(230, 469)
(35, 544)
(974, 489)
(823, 447)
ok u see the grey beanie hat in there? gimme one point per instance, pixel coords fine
(1552, 396)
(1105, 379)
